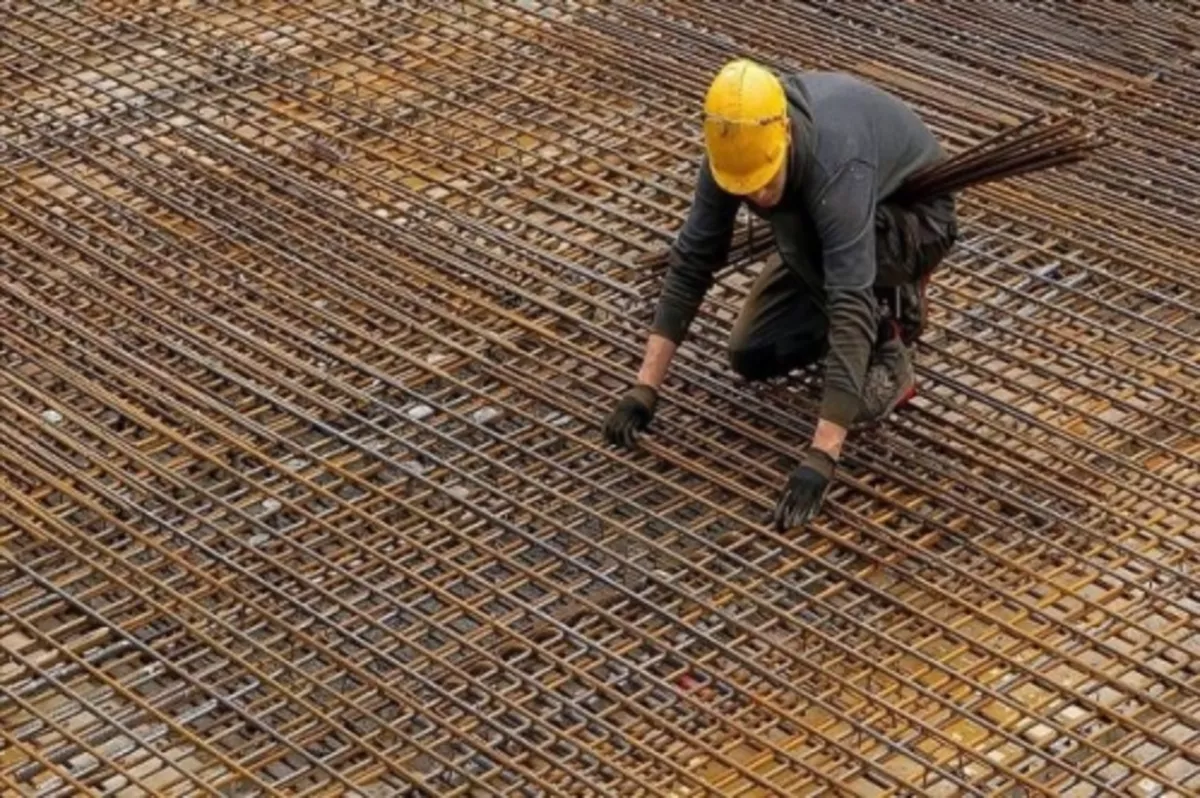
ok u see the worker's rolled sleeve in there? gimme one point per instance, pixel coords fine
(698, 252)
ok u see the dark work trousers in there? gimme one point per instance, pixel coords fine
(783, 324)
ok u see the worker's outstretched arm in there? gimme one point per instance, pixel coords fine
(846, 226)
(700, 249)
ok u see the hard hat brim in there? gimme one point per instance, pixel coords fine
(743, 184)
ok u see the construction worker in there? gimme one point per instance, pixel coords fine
(815, 156)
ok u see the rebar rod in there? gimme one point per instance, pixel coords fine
(310, 316)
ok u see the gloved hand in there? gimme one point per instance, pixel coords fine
(632, 414)
(801, 499)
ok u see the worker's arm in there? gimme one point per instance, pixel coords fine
(845, 222)
(847, 229)
(657, 361)
(700, 249)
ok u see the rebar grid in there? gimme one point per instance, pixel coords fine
(312, 311)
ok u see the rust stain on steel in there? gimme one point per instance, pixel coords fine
(311, 314)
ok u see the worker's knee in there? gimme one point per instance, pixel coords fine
(763, 361)
(753, 363)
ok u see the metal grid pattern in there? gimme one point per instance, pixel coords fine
(310, 316)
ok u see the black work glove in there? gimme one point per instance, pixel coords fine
(632, 414)
(801, 499)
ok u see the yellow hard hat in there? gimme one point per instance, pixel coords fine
(745, 126)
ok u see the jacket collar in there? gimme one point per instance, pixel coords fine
(804, 131)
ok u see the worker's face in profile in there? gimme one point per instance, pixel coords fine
(769, 195)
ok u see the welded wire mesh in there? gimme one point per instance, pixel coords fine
(311, 312)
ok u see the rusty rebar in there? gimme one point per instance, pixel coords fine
(311, 313)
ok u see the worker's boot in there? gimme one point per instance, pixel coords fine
(891, 380)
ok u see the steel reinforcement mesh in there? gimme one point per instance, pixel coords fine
(311, 313)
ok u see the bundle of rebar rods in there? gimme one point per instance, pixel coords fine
(1018, 150)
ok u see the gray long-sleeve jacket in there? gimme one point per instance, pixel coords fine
(852, 145)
